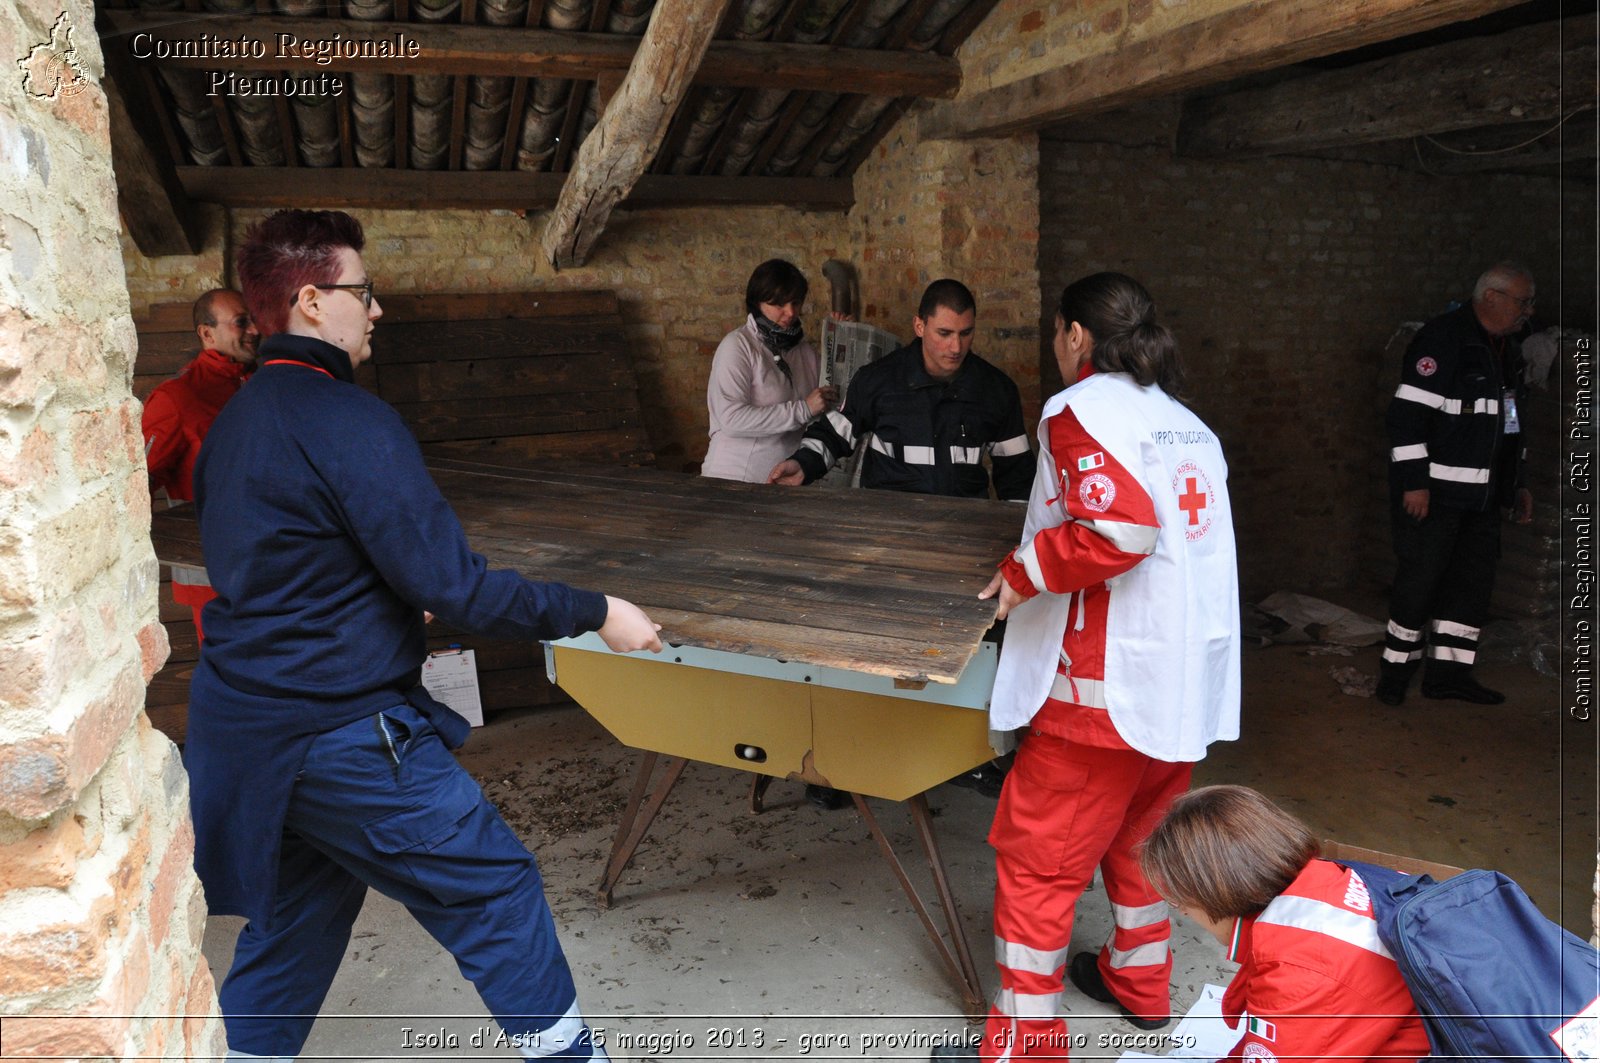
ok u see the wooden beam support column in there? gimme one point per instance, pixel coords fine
(616, 154)
(1242, 40)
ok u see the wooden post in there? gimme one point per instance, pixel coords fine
(632, 128)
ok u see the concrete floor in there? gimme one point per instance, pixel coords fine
(785, 936)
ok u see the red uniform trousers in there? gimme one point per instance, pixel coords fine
(1066, 808)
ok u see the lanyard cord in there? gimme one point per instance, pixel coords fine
(291, 361)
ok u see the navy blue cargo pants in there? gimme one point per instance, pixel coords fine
(382, 803)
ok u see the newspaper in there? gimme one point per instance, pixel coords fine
(846, 347)
(849, 345)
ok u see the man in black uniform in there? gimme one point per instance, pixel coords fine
(933, 409)
(1456, 459)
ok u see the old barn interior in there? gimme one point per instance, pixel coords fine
(562, 202)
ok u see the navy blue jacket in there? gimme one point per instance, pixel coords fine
(1447, 420)
(929, 435)
(325, 539)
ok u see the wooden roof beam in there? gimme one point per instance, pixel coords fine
(1241, 40)
(1531, 74)
(1521, 148)
(154, 206)
(375, 189)
(619, 150)
(518, 52)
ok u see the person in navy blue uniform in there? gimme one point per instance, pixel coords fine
(318, 765)
(1457, 459)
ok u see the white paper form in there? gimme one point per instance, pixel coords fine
(1202, 1034)
(451, 676)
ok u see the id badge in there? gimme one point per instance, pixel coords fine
(1508, 403)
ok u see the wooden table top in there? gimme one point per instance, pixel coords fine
(869, 581)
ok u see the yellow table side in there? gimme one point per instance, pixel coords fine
(872, 744)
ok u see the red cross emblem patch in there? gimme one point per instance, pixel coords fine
(1096, 491)
(1195, 498)
(1426, 366)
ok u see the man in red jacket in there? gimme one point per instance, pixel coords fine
(178, 414)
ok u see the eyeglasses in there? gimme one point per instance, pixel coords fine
(1525, 303)
(365, 290)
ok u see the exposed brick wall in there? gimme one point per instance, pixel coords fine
(680, 276)
(100, 910)
(962, 209)
(1284, 279)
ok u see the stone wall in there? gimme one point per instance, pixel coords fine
(1284, 280)
(100, 910)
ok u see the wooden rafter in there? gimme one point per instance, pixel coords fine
(796, 103)
(154, 206)
(681, 123)
(402, 119)
(458, 121)
(961, 27)
(519, 98)
(522, 52)
(718, 152)
(458, 104)
(1534, 73)
(569, 127)
(271, 186)
(776, 135)
(347, 139)
(286, 131)
(616, 154)
(886, 121)
(1241, 40)
(230, 136)
(154, 102)
(843, 112)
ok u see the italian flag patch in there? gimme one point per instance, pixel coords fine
(1093, 461)
(1263, 1029)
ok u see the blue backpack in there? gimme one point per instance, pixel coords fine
(1491, 976)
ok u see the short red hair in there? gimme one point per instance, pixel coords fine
(287, 251)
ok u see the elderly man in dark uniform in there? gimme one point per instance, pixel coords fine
(1456, 459)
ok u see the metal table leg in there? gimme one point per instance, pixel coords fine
(638, 816)
(951, 945)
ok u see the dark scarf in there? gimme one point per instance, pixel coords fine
(779, 341)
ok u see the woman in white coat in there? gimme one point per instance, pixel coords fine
(764, 388)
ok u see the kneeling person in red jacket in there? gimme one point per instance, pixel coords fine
(1314, 981)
